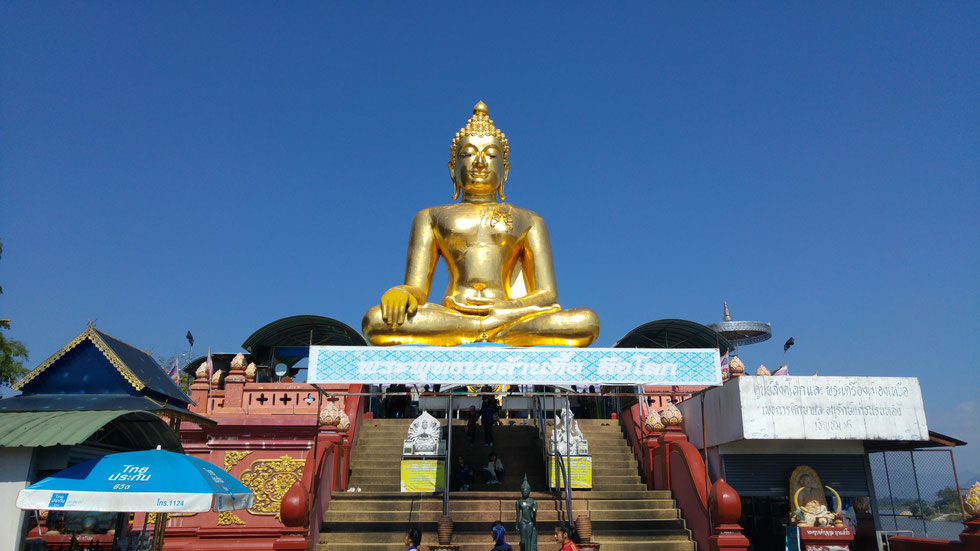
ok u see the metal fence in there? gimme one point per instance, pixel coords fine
(918, 491)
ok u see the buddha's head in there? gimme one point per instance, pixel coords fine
(479, 159)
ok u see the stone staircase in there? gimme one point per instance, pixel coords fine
(625, 515)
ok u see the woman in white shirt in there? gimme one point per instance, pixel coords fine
(493, 473)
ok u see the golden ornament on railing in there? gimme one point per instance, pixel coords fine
(238, 361)
(202, 371)
(762, 371)
(653, 422)
(971, 503)
(217, 378)
(329, 415)
(250, 372)
(671, 415)
(343, 423)
(736, 366)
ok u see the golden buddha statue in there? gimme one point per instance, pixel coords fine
(487, 245)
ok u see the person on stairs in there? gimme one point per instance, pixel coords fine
(471, 419)
(497, 532)
(413, 539)
(567, 537)
(463, 474)
(488, 415)
(493, 473)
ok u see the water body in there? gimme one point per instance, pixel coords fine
(936, 529)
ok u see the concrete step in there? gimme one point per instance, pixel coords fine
(603, 468)
(545, 541)
(627, 504)
(634, 514)
(428, 523)
(637, 487)
(391, 537)
(625, 516)
(589, 495)
(435, 505)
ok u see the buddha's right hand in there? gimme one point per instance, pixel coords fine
(397, 304)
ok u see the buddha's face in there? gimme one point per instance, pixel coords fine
(480, 165)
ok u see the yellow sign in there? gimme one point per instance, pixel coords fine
(581, 472)
(422, 475)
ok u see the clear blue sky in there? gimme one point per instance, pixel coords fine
(215, 166)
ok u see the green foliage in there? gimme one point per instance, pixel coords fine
(947, 501)
(11, 368)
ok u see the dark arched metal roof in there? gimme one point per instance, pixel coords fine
(303, 331)
(673, 333)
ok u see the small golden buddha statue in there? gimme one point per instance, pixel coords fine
(487, 245)
(809, 504)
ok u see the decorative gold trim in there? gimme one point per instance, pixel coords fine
(227, 518)
(233, 457)
(47, 363)
(269, 480)
(90, 334)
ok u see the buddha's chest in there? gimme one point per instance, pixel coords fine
(495, 228)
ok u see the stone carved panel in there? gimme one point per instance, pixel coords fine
(424, 435)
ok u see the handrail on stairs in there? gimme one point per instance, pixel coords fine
(539, 406)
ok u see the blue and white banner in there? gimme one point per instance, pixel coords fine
(505, 365)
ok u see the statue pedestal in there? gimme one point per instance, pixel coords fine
(438, 547)
(825, 538)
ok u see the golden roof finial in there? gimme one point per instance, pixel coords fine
(481, 107)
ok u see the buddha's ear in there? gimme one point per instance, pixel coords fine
(452, 176)
(500, 190)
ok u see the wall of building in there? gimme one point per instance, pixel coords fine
(15, 472)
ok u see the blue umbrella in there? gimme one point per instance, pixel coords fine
(152, 481)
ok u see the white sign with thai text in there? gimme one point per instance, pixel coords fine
(832, 408)
(810, 408)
